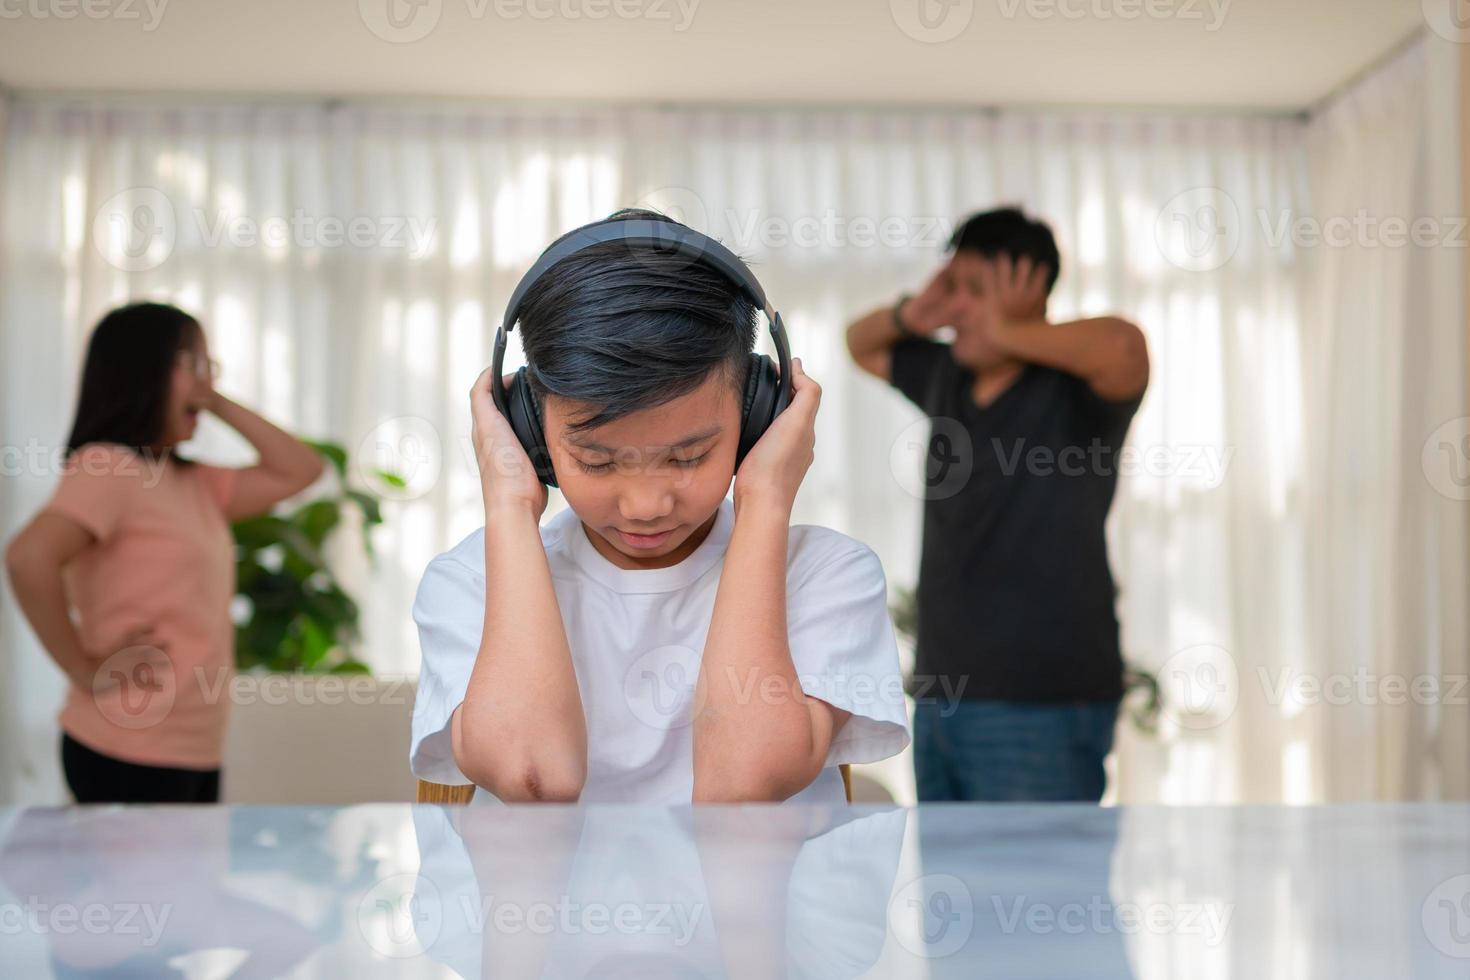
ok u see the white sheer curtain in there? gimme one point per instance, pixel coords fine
(375, 344)
(1387, 529)
(1329, 567)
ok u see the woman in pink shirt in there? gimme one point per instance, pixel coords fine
(137, 540)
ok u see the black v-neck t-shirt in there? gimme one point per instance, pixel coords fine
(1015, 598)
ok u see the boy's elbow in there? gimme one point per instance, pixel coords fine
(735, 791)
(523, 779)
(527, 783)
(761, 783)
(536, 784)
(756, 788)
(548, 780)
(728, 769)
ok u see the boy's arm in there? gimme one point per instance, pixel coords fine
(757, 735)
(521, 731)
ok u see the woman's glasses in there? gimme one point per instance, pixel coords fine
(204, 368)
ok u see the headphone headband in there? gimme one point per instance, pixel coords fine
(655, 234)
(644, 233)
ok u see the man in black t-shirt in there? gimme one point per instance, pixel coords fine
(1018, 673)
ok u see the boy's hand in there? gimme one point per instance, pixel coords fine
(506, 473)
(772, 471)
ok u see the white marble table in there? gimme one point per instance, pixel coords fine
(641, 892)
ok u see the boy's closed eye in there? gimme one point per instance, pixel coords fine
(681, 461)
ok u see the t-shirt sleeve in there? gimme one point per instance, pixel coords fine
(220, 481)
(449, 611)
(98, 485)
(1104, 417)
(843, 648)
(914, 366)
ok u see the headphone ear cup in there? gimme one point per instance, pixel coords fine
(525, 420)
(758, 408)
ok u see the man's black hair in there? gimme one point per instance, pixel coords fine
(1008, 230)
(626, 329)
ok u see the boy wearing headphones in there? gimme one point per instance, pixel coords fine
(657, 641)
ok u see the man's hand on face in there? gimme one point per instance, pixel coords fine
(1013, 293)
(927, 310)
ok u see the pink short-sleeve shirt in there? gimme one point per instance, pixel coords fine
(164, 560)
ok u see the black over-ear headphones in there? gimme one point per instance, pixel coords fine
(767, 391)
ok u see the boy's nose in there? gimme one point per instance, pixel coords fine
(646, 505)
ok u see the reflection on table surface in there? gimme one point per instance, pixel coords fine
(799, 891)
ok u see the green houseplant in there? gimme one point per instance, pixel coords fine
(294, 616)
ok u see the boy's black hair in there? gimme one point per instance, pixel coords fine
(628, 329)
(1008, 230)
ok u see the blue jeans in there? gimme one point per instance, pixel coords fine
(1012, 750)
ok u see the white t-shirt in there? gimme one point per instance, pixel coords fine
(636, 638)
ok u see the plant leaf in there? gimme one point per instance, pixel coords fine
(391, 478)
(372, 512)
(316, 643)
(317, 519)
(351, 667)
(301, 619)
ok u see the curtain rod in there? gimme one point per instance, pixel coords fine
(450, 104)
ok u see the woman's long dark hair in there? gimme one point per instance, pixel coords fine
(127, 375)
